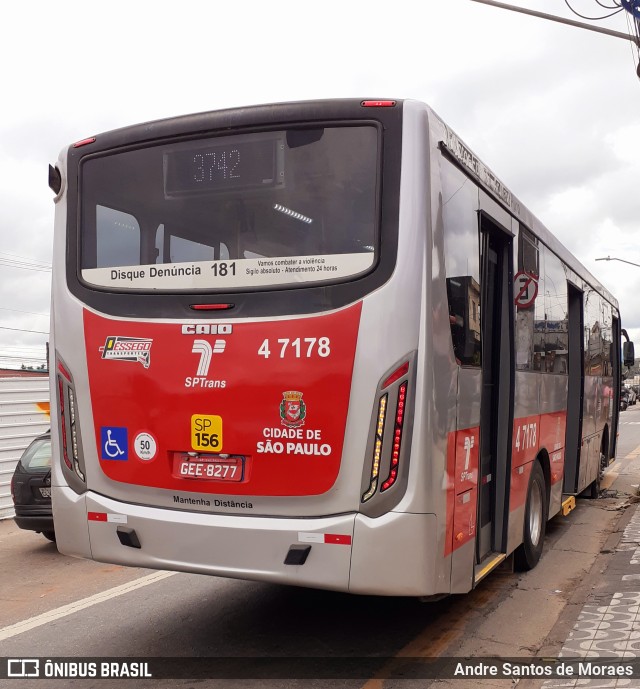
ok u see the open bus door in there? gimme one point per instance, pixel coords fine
(575, 395)
(496, 414)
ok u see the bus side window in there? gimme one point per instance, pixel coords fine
(529, 321)
(556, 314)
(462, 262)
(607, 338)
(463, 294)
(595, 334)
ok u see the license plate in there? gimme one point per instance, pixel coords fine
(45, 492)
(208, 467)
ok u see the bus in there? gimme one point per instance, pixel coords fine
(319, 344)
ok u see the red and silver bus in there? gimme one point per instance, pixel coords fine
(320, 344)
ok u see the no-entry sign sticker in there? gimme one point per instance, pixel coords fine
(525, 288)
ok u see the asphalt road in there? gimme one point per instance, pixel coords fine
(54, 606)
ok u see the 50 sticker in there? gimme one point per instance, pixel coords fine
(206, 432)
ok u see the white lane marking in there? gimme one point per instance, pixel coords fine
(57, 613)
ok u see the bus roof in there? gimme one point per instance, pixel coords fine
(491, 183)
(309, 111)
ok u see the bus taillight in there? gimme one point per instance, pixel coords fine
(387, 448)
(74, 433)
(211, 307)
(63, 425)
(84, 142)
(378, 103)
(396, 375)
(377, 448)
(397, 438)
(69, 433)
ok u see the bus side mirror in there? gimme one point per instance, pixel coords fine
(55, 180)
(628, 354)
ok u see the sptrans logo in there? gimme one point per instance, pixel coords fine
(127, 349)
(205, 350)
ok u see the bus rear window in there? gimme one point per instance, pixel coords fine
(246, 211)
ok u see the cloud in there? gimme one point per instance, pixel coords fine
(554, 111)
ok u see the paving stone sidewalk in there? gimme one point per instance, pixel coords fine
(608, 627)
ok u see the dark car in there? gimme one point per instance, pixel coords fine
(31, 488)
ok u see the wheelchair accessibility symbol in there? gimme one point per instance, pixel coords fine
(114, 443)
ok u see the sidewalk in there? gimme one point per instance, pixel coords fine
(608, 625)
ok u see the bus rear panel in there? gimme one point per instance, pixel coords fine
(267, 358)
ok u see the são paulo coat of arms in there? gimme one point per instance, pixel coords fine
(292, 409)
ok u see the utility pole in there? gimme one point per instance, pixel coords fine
(562, 20)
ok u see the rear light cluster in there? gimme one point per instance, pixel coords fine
(400, 372)
(63, 425)
(397, 437)
(398, 424)
(377, 448)
(68, 422)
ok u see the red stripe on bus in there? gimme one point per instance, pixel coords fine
(64, 372)
(307, 369)
(463, 452)
(530, 435)
(340, 539)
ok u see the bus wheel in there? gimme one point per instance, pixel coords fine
(535, 521)
(594, 489)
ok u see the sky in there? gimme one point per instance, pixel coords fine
(553, 110)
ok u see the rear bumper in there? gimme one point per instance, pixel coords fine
(349, 552)
(35, 522)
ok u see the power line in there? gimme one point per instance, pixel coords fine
(14, 264)
(15, 261)
(594, 19)
(21, 349)
(580, 25)
(24, 330)
(634, 25)
(33, 313)
(25, 258)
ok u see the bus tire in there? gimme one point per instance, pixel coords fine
(528, 553)
(594, 491)
(595, 487)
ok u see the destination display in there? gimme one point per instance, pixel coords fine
(207, 168)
